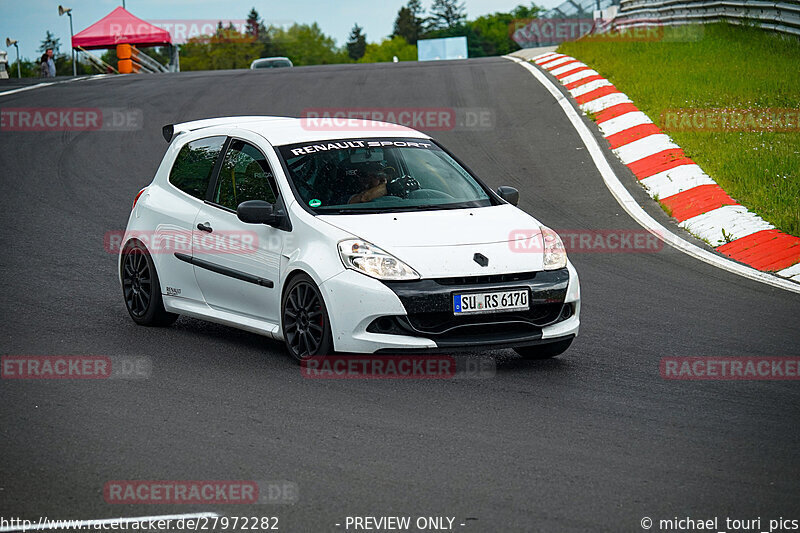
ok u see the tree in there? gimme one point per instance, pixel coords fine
(50, 41)
(255, 28)
(226, 49)
(409, 22)
(493, 33)
(489, 35)
(305, 44)
(446, 14)
(525, 12)
(388, 49)
(63, 62)
(28, 69)
(357, 44)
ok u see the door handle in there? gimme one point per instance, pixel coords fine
(205, 227)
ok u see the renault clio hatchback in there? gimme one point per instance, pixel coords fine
(368, 239)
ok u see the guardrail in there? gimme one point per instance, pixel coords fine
(783, 17)
(578, 9)
(147, 63)
(98, 63)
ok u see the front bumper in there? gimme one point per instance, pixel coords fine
(369, 316)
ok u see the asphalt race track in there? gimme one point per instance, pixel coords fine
(592, 441)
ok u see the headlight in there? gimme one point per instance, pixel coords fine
(555, 255)
(374, 262)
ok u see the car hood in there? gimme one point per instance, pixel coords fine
(443, 243)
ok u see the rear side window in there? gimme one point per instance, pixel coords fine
(192, 170)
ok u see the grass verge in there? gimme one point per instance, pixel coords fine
(725, 67)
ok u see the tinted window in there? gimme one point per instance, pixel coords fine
(275, 63)
(374, 175)
(194, 165)
(244, 175)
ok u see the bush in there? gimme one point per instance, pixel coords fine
(388, 49)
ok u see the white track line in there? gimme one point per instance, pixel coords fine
(49, 83)
(644, 147)
(555, 62)
(566, 68)
(577, 76)
(623, 122)
(544, 58)
(588, 87)
(735, 220)
(28, 88)
(675, 180)
(792, 272)
(630, 205)
(604, 102)
(90, 524)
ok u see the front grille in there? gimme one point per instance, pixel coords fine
(495, 278)
(429, 308)
(448, 326)
(442, 322)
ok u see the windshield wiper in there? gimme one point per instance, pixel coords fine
(459, 205)
(397, 209)
(346, 211)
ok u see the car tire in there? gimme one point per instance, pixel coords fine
(304, 319)
(544, 351)
(141, 289)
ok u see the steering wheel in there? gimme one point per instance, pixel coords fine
(402, 186)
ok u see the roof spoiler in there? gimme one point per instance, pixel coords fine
(170, 131)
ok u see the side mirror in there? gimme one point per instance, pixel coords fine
(257, 212)
(509, 194)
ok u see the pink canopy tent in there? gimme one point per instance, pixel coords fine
(120, 27)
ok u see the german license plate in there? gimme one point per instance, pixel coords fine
(487, 302)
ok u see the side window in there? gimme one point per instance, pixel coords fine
(244, 175)
(194, 165)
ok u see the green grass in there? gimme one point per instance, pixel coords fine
(729, 67)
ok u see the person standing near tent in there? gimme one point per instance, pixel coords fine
(47, 67)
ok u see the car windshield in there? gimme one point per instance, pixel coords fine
(272, 63)
(379, 175)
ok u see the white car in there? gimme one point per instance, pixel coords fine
(368, 239)
(271, 62)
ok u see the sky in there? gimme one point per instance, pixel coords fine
(28, 20)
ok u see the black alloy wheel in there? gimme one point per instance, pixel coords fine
(306, 330)
(141, 289)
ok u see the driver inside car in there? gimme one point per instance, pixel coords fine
(373, 185)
